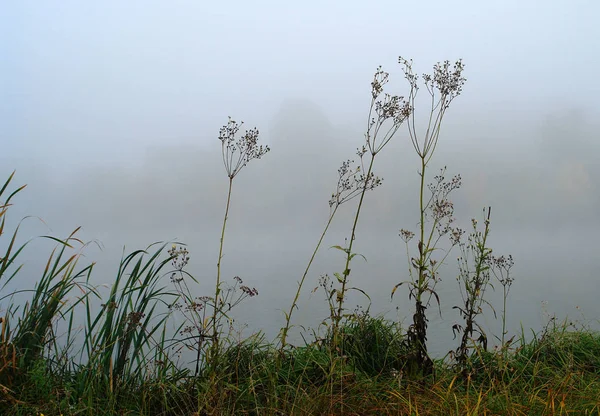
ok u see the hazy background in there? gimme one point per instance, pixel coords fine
(110, 112)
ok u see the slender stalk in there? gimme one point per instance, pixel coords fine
(346, 273)
(505, 294)
(288, 316)
(475, 287)
(501, 268)
(422, 250)
(198, 356)
(215, 346)
(419, 320)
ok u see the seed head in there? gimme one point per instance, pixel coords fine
(351, 182)
(406, 235)
(238, 152)
(179, 257)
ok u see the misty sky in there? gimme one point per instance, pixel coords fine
(110, 112)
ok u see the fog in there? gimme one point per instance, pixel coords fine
(110, 112)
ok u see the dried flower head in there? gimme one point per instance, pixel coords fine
(383, 109)
(446, 79)
(351, 182)
(456, 235)
(406, 235)
(501, 267)
(443, 85)
(238, 152)
(194, 306)
(379, 80)
(179, 257)
(249, 291)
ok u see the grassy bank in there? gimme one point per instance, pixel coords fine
(556, 373)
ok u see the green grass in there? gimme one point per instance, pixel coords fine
(557, 373)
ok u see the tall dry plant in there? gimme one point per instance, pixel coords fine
(501, 267)
(386, 114)
(443, 86)
(474, 279)
(350, 184)
(236, 153)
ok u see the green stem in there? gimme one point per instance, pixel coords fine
(346, 273)
(288, 317)
(422, 249)
(504, 316)
(419, 320)
(218, 284)
(475, 292)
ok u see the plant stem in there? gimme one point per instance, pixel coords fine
(476, 291)
(422, 250)
(346, 273)
(215, 346)
(419, 319)
(288, 317)
(504, 315)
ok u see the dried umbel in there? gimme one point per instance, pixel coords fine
(446, 79)
(238, 152)
(406, 235)
(443, 85)
(392, 108)
(501, 267)
(351, 182)
(232, 297)
(179, 257)
(245, 289)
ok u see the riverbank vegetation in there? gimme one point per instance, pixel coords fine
(69, 348)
